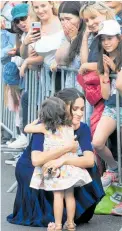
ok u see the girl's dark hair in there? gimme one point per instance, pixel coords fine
(73, 7)
(69, 96)
(118, 59)
(53, 114)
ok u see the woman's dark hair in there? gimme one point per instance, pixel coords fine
(69, 96)
(53, 114)
(16, 29)
(73, 7)
(118, 59)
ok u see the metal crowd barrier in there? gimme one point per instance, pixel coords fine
(40, 85)
(119, 135)
(46, 89)
(7, 117)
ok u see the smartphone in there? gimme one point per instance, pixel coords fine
(7, 24)
(36, 27)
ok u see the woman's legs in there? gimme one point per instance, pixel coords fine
(58, 208)
(70, 206)
(104, 128)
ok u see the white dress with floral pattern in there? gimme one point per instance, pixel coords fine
(66, 176)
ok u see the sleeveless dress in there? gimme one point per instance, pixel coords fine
(65, 176)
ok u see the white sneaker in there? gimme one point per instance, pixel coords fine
(10, 161)
(13, 160)
(11, 141)
(20, 142)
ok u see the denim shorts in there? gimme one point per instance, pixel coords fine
(112, 112)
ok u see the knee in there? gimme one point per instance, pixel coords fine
(98, 144)
(59, 195)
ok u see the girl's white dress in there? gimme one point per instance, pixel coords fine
(66, 176)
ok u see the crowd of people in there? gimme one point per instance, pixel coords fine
(63, 161)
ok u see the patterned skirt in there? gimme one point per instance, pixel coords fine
(35, 207)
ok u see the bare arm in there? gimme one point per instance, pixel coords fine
(105, 86)
(34, 127)
(24, 50)
(91, 66)
(85, 161)
(40, 158)
(87, 67)
(29, 39)
(35, 60)
(84, 51)
(62, 53)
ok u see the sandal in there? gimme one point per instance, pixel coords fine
(53, 227)
(69, 226)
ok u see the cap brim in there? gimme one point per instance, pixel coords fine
(106, 34)
(20, 15)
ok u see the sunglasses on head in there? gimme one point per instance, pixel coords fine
(17, 20)
(85, 4)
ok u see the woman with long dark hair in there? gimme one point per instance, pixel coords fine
(69, 53)
(35, 207)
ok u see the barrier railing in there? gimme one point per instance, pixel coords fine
(119, 145)
(41, 84)
(7, 117)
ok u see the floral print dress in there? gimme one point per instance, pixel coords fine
(67, 175)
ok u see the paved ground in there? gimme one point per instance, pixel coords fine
(98, 223)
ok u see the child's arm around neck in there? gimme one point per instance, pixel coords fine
(35, 127)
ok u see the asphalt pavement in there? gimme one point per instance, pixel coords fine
(98, 222)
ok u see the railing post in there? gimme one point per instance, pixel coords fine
(119, 139)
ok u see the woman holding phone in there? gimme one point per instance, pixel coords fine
(50, 31)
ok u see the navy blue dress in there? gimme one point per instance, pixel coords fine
(35, 207)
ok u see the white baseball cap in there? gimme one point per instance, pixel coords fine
(109, 27)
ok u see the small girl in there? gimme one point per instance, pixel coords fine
(61, 181)
(110, 60)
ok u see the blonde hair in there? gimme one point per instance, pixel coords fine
(15, 93)
(100, 7)
(33, 15)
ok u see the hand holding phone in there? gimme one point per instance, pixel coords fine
(34, 34)
(36, 27)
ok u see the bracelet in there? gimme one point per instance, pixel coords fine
(105, 82)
